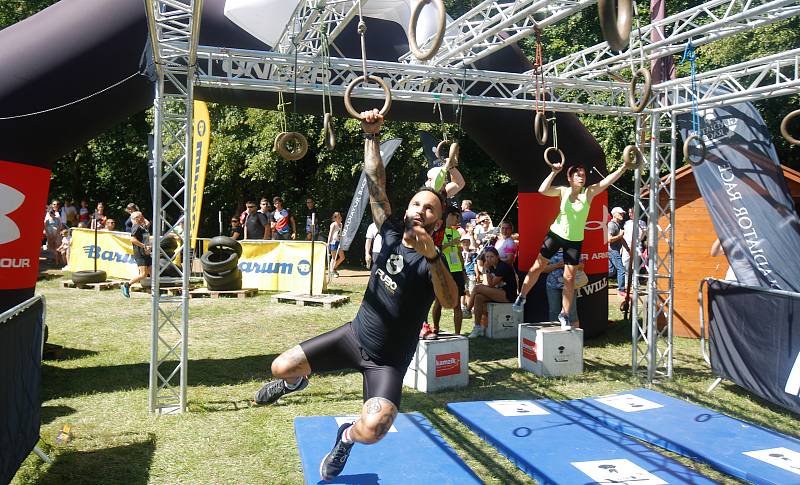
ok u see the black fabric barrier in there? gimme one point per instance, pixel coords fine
(20, 378)
(754, 337)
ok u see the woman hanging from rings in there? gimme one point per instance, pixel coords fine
(566, 232)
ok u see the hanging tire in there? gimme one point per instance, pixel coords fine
(222, 278)
(86, 277)
(219, 261)
(224, 242)
(164, 282)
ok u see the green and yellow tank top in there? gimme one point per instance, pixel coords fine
(451, 253)
(571, 218)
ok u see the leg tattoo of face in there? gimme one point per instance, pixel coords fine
(373, 405)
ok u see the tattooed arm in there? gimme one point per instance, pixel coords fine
(373, 168)
(443, 284)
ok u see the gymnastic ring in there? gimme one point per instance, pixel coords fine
(452, 154)
(348, 104)
(412, 30)
(277, 141)
(785, 127)
(560, 153)
(616, 22)
(540, 128)
(330, 135)
(687, 144)
(627, 156)
(295, 152)
(639, 106)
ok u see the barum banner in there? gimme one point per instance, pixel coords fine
(113, 252)
(282, 265)
(742, 184)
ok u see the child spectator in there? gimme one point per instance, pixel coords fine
(470, 257)
(62, 252)
(83, 214)
(334, 237)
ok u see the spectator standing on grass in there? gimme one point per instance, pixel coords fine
(141, 252)
(53, 225)
(451, 251)
(69, 213)
(334, 239)
(236, 231)
(256, 224)
(265, 208)
(467, 216)
(111, 225)
(62, 252)
(283, 223)
(83, 214)
(130, 209)
(615, 245)
(99, 217)
(372, 245)
(470, 257)
(311, 217)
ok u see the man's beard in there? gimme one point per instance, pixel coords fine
(410, 223)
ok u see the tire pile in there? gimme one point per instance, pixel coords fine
(171, 276)
(221, 264)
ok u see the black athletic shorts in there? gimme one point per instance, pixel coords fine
(340, 349)
(458, 277)
(143, 260)
(553, 242)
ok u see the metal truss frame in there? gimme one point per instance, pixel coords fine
(492, 25)
(313, 18)
(174, 27)
(574, 84)
(705, 23)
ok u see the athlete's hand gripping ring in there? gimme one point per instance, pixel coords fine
(633, 157)
(452, 155)
(348, 104)
(547, 156)
(616, 22)
(437, 38)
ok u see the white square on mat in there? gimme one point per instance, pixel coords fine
(780, 457)
(618, 471)
(517, 408)
(340, 420)
(628, 402)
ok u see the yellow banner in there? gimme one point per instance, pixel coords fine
(282, 265)
(114, 253)
(200, 140)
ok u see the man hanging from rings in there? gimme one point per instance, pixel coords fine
(382, 338)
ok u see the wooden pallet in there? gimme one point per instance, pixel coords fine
(105, 285)
(205, 292)
(326, 301)
(169, 290)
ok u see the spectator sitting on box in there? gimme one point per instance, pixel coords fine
(501, 288)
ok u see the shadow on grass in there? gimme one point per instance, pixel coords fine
(60, 383)
(128, 464)
(51, 413)
(57, 352)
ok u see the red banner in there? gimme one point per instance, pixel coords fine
(23, 201)
(448, 364)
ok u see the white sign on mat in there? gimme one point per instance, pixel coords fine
(619, 471)
(340, 420)
(780, 457)
(517, 408)
(628, 402)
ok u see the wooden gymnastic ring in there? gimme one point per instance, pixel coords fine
(327, 129)
(540, 128)
(615, 22)
(437, 38)
(687, 144)
(277, 141)
(627, 156)
(637, 106)
(785, 127)
(560, 153)
(348, 104)
(452, 154)
(295, 152)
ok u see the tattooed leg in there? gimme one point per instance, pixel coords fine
(291, 364)
(376, 419)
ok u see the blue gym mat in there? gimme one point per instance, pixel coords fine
(741, 449)
(411, 452)
(556, 444)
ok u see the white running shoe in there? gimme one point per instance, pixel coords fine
(477, 331)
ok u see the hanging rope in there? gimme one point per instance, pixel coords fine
(554, 148)
(290, 145)
(643, 73)
(387, 93)
(540, 120)
(327, 100)
(695, 135)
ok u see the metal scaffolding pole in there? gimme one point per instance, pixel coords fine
(174, 26)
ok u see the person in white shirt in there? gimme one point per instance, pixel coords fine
(372, 245)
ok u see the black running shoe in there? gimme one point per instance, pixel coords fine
(334, 462)
(271, 391)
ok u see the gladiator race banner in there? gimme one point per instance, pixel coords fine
(113, 252)
(742, 184)
(281, 265)
(23, 200)
(361, 197)
(200, 141)
(764, 357)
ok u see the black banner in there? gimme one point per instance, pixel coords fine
(360, 198)
(754, 337)
(20, 378)
(743, 187)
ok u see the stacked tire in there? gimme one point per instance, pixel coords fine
(221, 264)
(171, 275)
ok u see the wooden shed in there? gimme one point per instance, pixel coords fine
(694, 234)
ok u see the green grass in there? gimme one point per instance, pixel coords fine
(99, 387)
